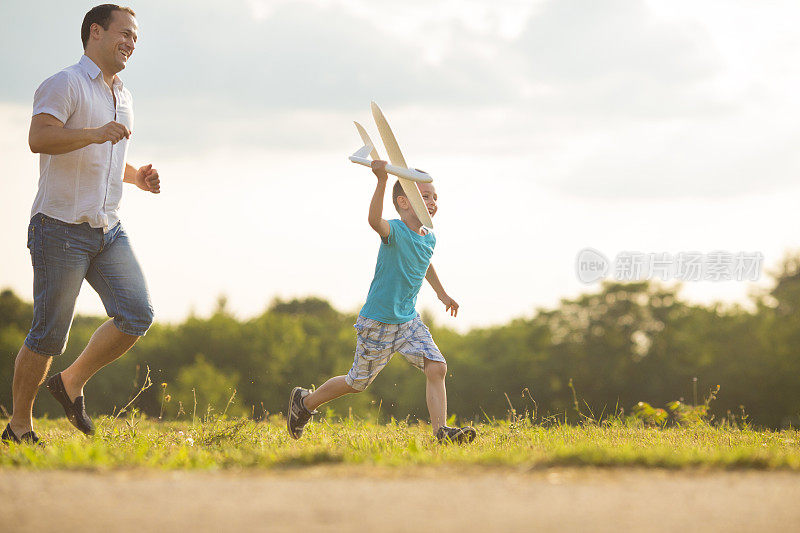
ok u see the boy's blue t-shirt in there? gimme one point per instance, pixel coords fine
(402, 264)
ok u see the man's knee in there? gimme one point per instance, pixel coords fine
(135, 319)
(146, 317)
(46, 342)
(28, 357)
(435, 370)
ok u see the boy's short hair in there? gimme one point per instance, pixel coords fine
(397, 191)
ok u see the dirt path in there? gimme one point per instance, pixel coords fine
(332, 500)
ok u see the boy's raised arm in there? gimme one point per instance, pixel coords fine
(449, 304)
(376, 220)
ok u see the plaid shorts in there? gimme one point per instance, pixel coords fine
(377, 342)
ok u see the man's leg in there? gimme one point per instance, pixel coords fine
(330, 390)
(117, 277)
(106, 345)
(435, 392)
(60, 257)
(30, 369)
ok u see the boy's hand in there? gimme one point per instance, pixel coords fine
(375, 218)
(449, 304)
(379, 169)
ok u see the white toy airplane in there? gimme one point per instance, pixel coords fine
(406, 176)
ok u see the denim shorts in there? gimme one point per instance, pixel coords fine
(377, 342)
(63, 255)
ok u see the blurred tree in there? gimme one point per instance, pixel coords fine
(214, 390)
(623, 344)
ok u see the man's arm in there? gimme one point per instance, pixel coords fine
(376, 220)
(48, 135)
(433, 279)
(146, 177)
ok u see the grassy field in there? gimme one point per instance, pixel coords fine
(234, 444)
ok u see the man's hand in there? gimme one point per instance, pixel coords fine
(49, 136)
(113, 131)
(379, 169)
(449, 304)
(147, 179)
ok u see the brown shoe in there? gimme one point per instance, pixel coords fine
(75, 410)
(27, 438)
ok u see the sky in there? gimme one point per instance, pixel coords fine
(549, 126)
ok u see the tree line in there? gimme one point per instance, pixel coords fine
(606, 351)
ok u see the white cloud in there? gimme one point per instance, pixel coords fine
(549, 126)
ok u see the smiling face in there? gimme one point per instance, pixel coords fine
(428, 192)
(112, 48)
(403, 206)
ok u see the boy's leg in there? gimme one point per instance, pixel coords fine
(435, 392)
(335, 387)
(419, 349)
(436, 395)
(417, 346)
(374, 348)
(375, 343)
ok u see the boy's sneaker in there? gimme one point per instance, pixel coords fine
(463, 435)
(298, 416)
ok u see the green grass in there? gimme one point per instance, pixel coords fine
(243, 444)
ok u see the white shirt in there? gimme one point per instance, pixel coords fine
(84, 185)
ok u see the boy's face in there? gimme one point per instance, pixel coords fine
(428, 192)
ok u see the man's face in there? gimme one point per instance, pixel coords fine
(428, 192)
(118, 42)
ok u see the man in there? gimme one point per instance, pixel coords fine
(82, 120)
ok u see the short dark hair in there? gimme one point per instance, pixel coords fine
(100, 15)
(397, 191)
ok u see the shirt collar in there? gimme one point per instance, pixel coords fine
(89, 67)
(93, 71)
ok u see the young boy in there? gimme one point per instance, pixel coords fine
(388, 322)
